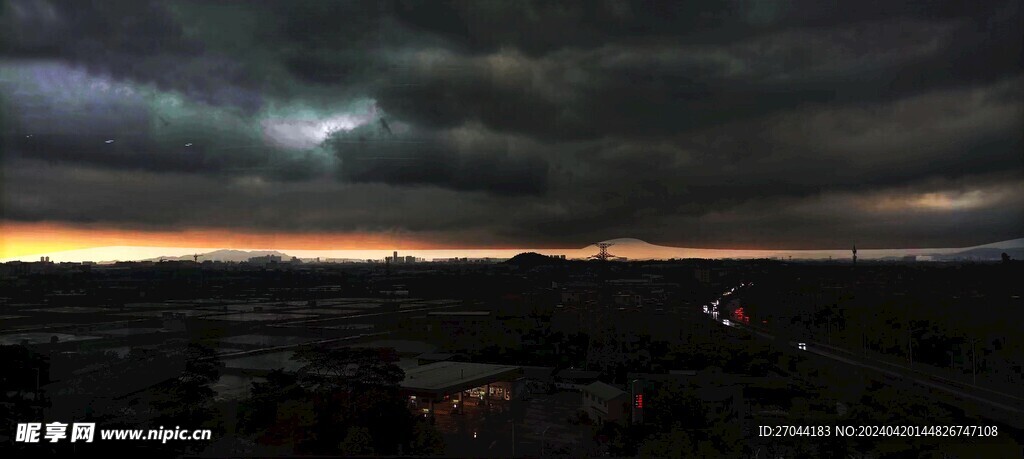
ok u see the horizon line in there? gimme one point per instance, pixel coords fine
(147, 252)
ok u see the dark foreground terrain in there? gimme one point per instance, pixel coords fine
(532, 357)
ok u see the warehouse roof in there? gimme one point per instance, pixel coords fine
(447, 377)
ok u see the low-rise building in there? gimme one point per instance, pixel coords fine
(605, 403)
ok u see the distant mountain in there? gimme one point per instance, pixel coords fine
(226, 255)
(635, 249)
(1010, 244)
(984, 254)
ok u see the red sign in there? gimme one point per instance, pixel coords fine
(638, 401)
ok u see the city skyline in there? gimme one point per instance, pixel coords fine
(624, 248)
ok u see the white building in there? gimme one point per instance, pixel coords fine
(605, 403)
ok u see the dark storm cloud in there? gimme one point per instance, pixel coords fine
(135, 39)
(329, 42)
(930, 213)
(659, 88)
(67, 115)
(141, 153)
(522, 122)
(538, 27)
(461, 159)
(149, 200)
(862, 147)
(989, 208)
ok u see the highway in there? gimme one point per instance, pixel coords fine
(1003, 407)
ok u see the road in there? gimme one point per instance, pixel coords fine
(1002, 407)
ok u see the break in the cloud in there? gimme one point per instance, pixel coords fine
(785, 124)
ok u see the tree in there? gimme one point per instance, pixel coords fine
(426, 440)
(20, 401)
(202, 365)
(294, 422)
(674, 443)
(672, 404)
(277, 411)
(349, 390)
(22, 367)
(188, 398)
(681, 420)
(357, 442)
(886, 405)
(385, 413)
(348, 368)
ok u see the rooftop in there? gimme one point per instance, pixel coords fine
(459, 313)
(71, 310)
(325, 311)
(258, 316)
(266, 340)
(151, 313)
(266, 362)
(570, 373)
(129, 331)
(401, 346)
(42, 338)
(435, 356)
(604, 391)
(447, 377)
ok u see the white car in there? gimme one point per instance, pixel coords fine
(801, 346)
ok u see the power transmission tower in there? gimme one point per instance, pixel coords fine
(603, 255)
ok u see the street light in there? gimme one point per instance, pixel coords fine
(828, 330)
(974, 362)
(543, 440)
(910, 344)
(910, 337)
(864, 340)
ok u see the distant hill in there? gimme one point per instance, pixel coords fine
(637, 249)
(533, 259)
(1010, 244)
(984, 254)
(226, 255)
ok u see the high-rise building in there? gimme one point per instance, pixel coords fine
(637, 389)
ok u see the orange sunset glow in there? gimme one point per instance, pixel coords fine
(20, 239)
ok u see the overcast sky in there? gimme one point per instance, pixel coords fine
(733, 124)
